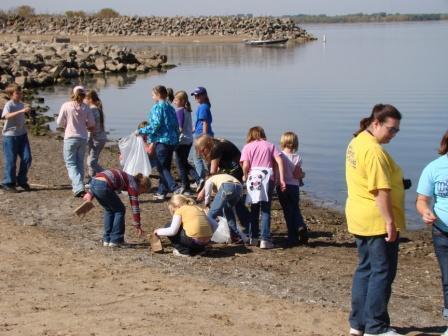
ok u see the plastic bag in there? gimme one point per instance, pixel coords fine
(134, 158)
(222, 233)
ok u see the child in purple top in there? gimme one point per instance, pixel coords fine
(259, 153)
(289, 197)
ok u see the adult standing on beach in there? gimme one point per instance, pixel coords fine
(433, 186)
(375, 214)
(77, 118)
(203, 126)
(162, 134)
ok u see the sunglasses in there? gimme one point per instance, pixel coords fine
(392, 129)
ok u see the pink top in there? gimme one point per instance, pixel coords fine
(259, 153)
(75, 119)
(290, 162)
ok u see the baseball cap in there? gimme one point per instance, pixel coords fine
(79, 88)
(199, 90)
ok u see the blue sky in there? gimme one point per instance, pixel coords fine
(257, 7)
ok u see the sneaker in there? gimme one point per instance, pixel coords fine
(178, 254)
(266, 244)
(25, 186)
(106, 244)
(356, 332)
(159, 197)
(79, 194)
(390, 332)
(200, 185)
(187, 192)
(122, 244)
(9, 188)
(179, 190)
(253, 241)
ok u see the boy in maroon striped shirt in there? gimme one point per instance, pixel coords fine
(104, 187)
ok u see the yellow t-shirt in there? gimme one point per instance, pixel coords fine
(194, 221)
(369, 167)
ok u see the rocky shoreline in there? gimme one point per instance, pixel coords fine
(244, 26)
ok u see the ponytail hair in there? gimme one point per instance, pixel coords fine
(93, 96)
(182, 95)
(143, 182)
(443, 149)
(380, 112)
(178, 200)
(161, 91)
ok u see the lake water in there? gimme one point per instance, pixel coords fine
(317, 90)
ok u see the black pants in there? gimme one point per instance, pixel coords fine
(185, 244)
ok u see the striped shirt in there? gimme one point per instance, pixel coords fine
(119, 180)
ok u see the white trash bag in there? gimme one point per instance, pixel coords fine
(134, 159)
(222, 233)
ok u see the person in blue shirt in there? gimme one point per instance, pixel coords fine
(433, 186)
(203, 125)
(163, 136)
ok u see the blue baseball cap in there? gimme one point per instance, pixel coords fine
(199, 91)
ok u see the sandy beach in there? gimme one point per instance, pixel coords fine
(57, 279)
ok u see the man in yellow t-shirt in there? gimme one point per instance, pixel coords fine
(375, 214)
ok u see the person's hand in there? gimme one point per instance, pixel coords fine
(200, 197)
(139, 231)
(282, 185)
(27, 109)
(391, 233)
(150, 149)
(429, 217)
(155, 233)
(88, 197)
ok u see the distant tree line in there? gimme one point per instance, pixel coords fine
(361, 17)
(27, 11)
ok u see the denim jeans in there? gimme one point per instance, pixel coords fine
(183, 243)
(74, 150)
(265, 208)
(93, 155)
(440, 241)
(114, 211)
(289, 200)
(243, 214)
(184, 167)
(14, 146)
(200, 165)
(225, 200)
(372, 284)
(163, 159)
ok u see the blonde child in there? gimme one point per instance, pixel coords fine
(258, 158)
(183, 114)
(98, 137)
(289, 197)
(190, 229)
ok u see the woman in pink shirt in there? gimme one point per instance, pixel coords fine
(257, 158)
(77, 118)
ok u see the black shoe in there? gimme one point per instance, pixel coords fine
(80, 194)
(25, 186)
(303, 236)
(9, 188)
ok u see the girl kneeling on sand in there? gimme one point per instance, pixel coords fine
(103, 187)
(190, 230)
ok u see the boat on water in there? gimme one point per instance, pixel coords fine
(266, 42)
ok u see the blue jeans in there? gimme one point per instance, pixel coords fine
(289, 200)
(93, 155)
(200, 165)
(243, 214)
(440, 241)
(225, 200)
(114, 211)
(265, 208)
(372, 284)
(163, 159)
(14, 146)
(184, 167)
(74, 150)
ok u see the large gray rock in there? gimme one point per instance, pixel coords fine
(100, 64)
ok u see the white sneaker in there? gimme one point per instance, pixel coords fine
(356, 332)
(178, 254)
(266, 244)
(390, 332)
(159, 197)
(105, 244)
(253, 241)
